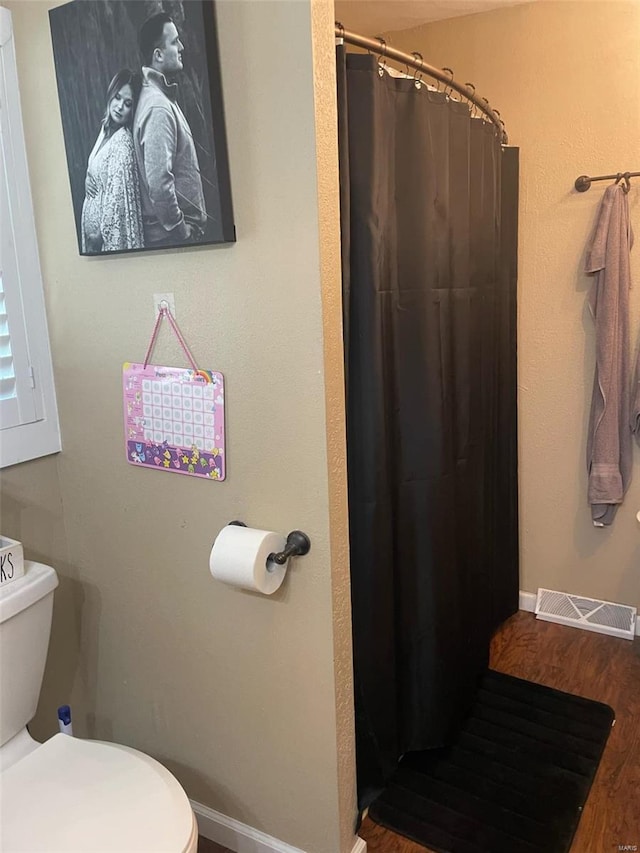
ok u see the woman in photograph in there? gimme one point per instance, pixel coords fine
(112, 210)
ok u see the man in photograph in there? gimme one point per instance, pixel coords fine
(173, 205)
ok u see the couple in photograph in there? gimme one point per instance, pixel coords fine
(143, 187)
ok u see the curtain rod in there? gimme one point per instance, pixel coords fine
(414, 60)
(583, 183)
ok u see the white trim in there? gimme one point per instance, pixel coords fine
(6, 26)
(241, 838)
(528, 603)
(39, 433)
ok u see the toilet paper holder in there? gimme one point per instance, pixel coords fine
(297, 545)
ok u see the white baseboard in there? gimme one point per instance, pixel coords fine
(528, 603)
(242, 838)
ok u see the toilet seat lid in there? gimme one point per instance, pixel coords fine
(79, 796)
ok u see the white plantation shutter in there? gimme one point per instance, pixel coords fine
(17, 392)
(9, 415)
(28, 412)
(7, 369)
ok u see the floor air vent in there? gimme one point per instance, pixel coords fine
(604, 617)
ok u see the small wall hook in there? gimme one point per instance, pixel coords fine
(298, 544)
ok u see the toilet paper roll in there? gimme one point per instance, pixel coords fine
(239, 558)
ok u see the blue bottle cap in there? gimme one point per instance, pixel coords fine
(64, 714)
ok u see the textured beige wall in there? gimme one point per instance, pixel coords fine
(240, 695)
(566, 79)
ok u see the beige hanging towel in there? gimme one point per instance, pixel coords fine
(609, 444)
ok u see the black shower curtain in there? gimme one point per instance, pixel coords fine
(429, 226)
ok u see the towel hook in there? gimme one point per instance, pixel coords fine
(624, 176)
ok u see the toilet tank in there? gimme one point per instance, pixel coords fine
(26, 606)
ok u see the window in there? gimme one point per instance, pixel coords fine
(28, 413)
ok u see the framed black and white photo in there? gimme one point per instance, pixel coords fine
(142, 115)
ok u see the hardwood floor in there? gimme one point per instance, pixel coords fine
(590, 665)
(206, 846)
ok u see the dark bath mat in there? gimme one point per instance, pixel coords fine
(515, 780)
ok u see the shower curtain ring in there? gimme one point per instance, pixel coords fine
(471, 104)
(417, 73)
(382, 66)
(448, 85)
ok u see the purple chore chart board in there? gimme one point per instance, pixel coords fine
(174, 416)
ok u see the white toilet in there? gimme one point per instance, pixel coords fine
(69, 794)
